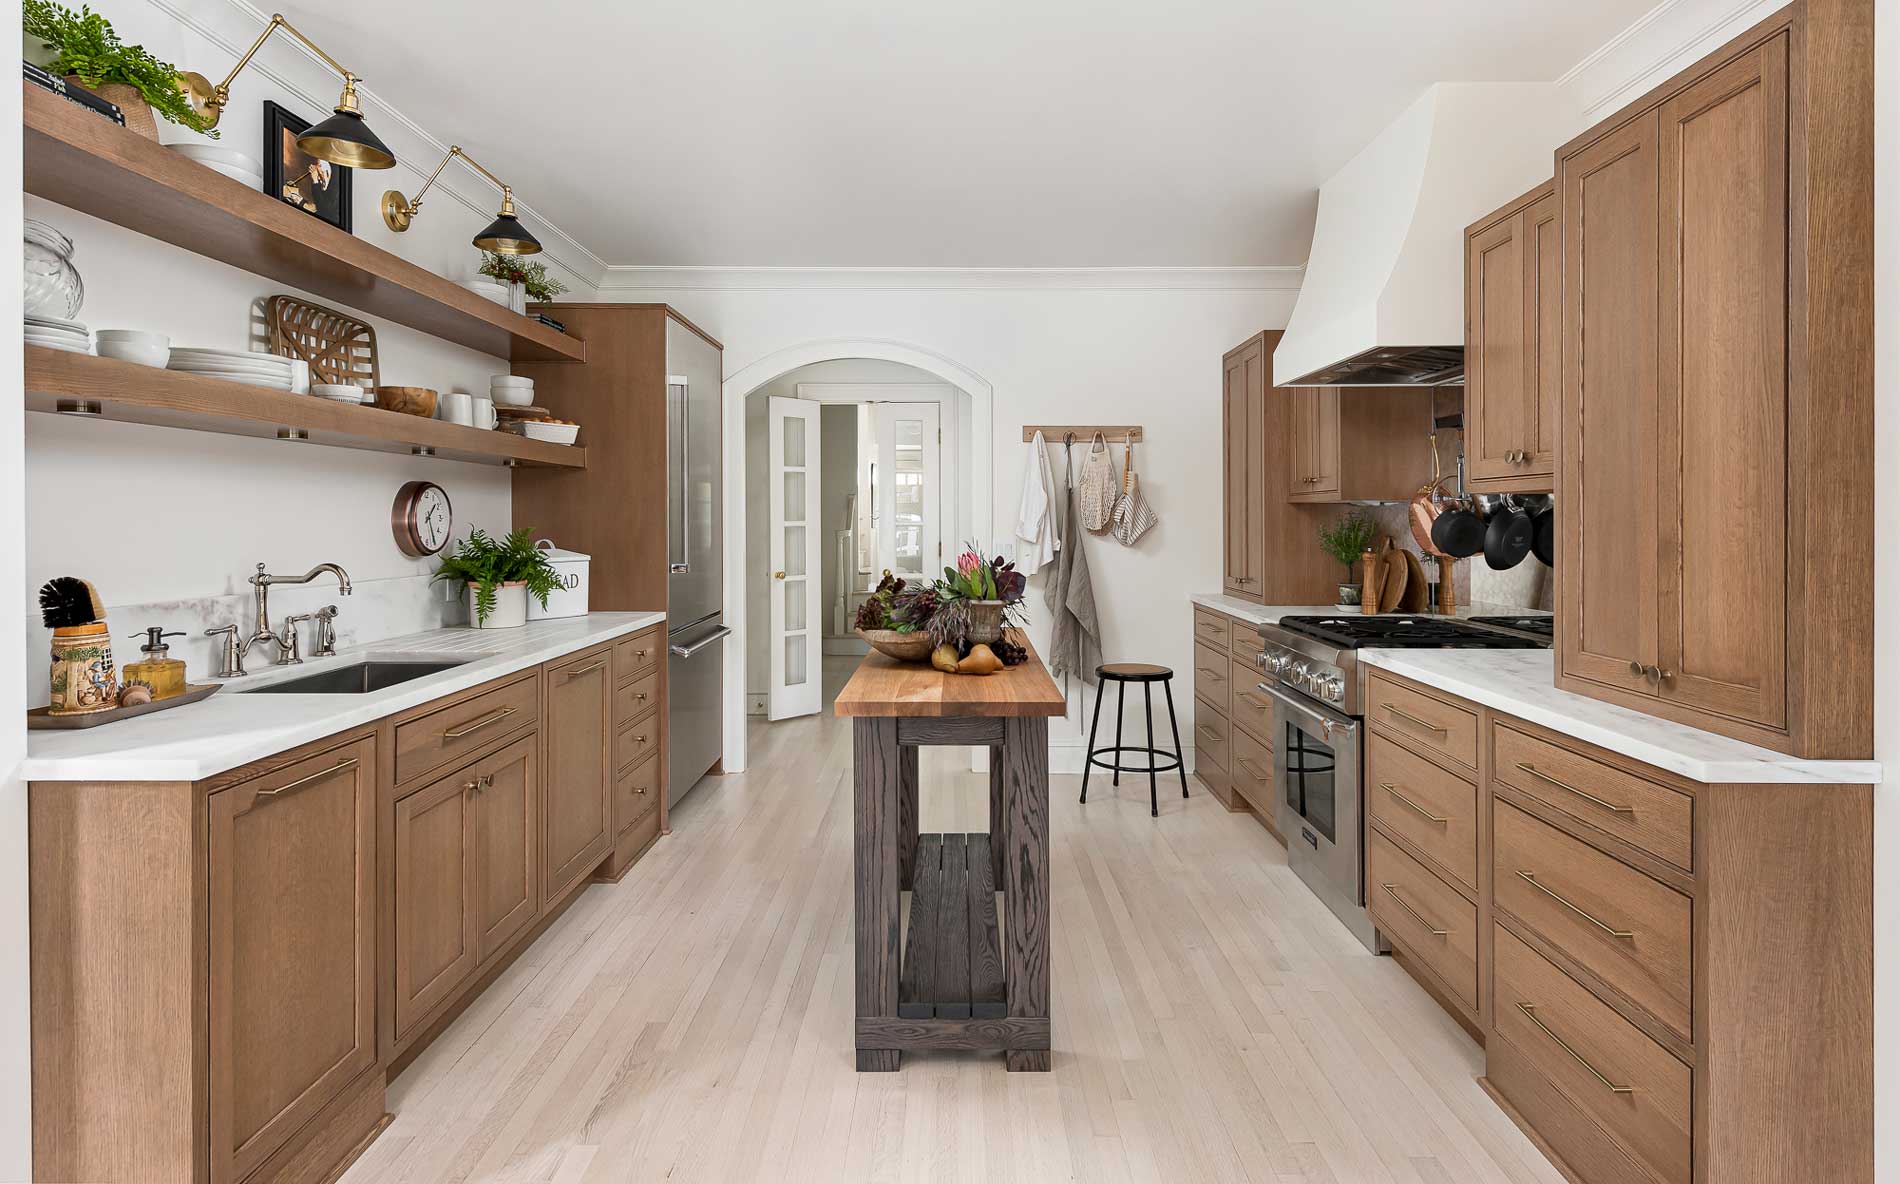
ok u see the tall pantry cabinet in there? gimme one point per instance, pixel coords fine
(1715, 455)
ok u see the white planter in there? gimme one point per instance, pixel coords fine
(570, 598)
(511, 608)
(518, 297)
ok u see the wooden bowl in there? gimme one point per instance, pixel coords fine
(410, 400)
(905, 647)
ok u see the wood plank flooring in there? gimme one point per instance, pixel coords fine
(694, 1021)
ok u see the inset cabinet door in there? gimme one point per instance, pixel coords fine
(578, 818)
(1244, 422)
(434, 947)
(291, 982)
(507, 871)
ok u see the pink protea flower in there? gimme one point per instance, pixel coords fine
(968, 562)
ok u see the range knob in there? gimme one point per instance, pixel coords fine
(1297, 675)
(1334, 689)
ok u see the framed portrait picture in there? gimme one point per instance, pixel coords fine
(297, 178)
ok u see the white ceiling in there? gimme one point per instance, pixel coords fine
(974, 133)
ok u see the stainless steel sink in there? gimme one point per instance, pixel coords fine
(359, 678)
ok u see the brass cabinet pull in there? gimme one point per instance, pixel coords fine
(640, 697)
(1415, 721)
(1252, 772)
(1593, 799)
(1416, 915)
(479, 784)
(1531, 879)
(1530, 1013)
(1210, 733)
(1413, 806)
(471, 729)
(1213, 675)
(1253, 701)
(588, 669)
(1213, 624)
(346, 763)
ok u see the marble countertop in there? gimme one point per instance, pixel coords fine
(232, 728)
(1521, 683)
(1270, 614)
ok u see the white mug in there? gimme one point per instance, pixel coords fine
(457, 407)
(484, 412)
(299, 376)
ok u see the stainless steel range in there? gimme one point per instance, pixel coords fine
(1309, 668)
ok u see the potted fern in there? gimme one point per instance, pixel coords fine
(86, 50)
(1344, 540)
(500, 575)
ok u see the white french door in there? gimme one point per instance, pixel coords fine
(796, 686)
(909, 489)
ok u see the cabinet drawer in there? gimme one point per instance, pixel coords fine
(636, 794)
(1250, 708)
(1627, 1083)
(636, 741)
(1212, 735)
(641, 831)
(1629, 930)
(1641, 813)
(1211, 628)
(450, 733)
(1244, 642)
(1435, 811)
(638, 654)
(1251, 771)
(635, 698)
(1418, 910)
(1422, 722)
(1211, 673)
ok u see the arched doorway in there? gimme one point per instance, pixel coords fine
(734, 390)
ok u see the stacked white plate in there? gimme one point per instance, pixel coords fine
(236, 365)
(511, 390)
(54, 333)
(341, 392)
(229, 161)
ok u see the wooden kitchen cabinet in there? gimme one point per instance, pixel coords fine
(291, 925)
(1513, 321)
(1353, 444)
(505, 892)
(577, 741)
(1716, 409)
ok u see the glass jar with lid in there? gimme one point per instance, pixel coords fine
(53, 286)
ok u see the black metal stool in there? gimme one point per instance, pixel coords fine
(1121, 674)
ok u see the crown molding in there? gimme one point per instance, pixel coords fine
(1654, 46)
(232, 25)
(626, 279)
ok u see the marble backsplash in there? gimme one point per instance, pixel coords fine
(374, 610)
(1526, 586)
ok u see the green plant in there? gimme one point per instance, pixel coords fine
(1346, 539)
(485, 563)
(89, 49)
(531, 274)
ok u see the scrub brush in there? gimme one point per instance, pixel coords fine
(67, 601)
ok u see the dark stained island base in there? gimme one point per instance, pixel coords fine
(952, 985)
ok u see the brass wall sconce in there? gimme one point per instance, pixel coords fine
(504, 236)
(341, 139)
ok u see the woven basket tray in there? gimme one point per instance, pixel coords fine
(339, 348)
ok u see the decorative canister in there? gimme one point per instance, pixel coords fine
(986, 621)
(53, 286)
(84, 680)
(570, 599)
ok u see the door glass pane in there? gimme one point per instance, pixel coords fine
(907, 496)
(795, 660)
(795, 605)
(794, 442)
(794, 496)
(794, 550)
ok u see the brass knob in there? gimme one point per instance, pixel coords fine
(778, 575)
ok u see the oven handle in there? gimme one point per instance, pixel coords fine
(1326, 723)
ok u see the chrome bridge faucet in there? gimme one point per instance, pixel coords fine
(235, 650)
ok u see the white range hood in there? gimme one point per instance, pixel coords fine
(1383, 300)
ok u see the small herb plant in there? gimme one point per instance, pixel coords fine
(531, 274)
(485, 563)
(1346, 539)
(88, 49)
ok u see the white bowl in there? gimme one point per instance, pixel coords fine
(553, 433)
(510, 380)
(213, 154)
(134, 337)
(142, 352)
(512, 396)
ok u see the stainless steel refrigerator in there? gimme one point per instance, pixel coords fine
(695, 611)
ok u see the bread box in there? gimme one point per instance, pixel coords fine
(569, 599)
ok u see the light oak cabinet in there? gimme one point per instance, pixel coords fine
(1233, 749)
(1716, 406)
(577, 816)
(1357, 444)
(291, 921)
(1513, 321)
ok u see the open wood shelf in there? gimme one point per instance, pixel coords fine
(77, 158)
(131, 393)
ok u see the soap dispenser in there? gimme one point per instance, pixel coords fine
(156, 667)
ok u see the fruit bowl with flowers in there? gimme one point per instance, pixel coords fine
(955, 623)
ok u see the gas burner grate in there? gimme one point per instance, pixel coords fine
(1396, 632)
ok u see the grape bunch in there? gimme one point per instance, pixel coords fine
(1010, 653)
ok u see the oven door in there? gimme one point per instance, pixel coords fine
(1320, 796)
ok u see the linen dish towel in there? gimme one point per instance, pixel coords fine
(1036, 513)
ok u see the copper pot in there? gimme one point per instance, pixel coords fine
(1428, 503)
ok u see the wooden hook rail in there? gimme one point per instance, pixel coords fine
(1117, 433)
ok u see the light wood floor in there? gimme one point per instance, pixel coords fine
(693, 1022)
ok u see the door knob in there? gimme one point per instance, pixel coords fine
(778, 575)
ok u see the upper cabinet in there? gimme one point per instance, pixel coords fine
(1513, 316)
(1244, 420)
(1357, 444)
(1716, 405)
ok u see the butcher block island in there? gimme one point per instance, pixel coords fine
(954, 985)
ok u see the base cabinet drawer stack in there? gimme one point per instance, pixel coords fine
(639, 760)
(1233, 721)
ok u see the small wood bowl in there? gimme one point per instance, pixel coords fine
(410, 400)
(905, 647)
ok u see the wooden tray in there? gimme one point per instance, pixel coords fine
(42, 718)
(339, 348)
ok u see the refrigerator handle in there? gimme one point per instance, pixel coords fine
(681, 484)
(687, 651)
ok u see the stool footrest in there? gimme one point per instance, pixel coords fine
(1157, 755)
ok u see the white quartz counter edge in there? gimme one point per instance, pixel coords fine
(1270, 614)
(232, 729)
(1520, 683)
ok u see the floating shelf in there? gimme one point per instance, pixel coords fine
(79, 159)
(131, 393)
